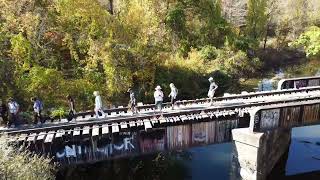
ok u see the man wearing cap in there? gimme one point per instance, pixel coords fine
(212, 90)
(132, 101)
(98, 105)
(13, 107)
(158, 98)
(173, 94)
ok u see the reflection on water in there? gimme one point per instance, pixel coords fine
(204, 163)
(210, 161)
(304, 153)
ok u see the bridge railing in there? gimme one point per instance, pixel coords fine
(286, 115)
(204, 100)
(296, 83)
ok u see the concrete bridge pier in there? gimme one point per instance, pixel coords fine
(255, 154)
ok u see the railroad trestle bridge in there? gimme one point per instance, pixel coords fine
(249, 119)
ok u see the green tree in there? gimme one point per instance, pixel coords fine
(256, 19)
(309, 41)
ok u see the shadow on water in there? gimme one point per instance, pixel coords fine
(156, 167)
(205, 163)
(201, 163)
(301, 161)
(279, 171)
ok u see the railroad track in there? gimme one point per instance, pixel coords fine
(151, 107)
(149, 121)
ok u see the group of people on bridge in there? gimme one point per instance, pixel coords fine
(9, 111)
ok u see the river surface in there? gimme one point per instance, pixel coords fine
(215, 160)
(204, 163)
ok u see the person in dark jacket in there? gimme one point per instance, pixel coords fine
(4, 112)
(72, 109)
(132, 101)
(37, 110)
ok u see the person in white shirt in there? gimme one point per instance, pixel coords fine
(13, 107)
(173, 94)
(158, 98)
(212, 89)
(98, 105)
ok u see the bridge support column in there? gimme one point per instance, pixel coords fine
(255, 154)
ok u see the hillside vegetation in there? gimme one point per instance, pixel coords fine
(51, 48)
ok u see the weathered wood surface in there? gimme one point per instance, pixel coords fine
(70, 149)
(300, 82)
(285, 115)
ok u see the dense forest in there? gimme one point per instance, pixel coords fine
(51, 48)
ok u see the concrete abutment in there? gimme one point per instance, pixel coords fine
(255, 154)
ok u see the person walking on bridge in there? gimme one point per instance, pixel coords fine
(158, 98)
(37, 110)
(72, 109)
(212, 89)
(132, 101)
(98, 105)
(4, 112)
(173, 94)
(13, 107)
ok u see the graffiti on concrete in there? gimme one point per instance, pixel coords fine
(269, 119)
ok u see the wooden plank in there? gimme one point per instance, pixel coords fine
(32, 137)
(184, 118)
(123, 125)
(132, 124)
(76, 131)
(176, 119)
(121, 112)
(49, 137)
(115, 128)
(41, 136)
(22, 137)
(95, 130)
(105, 129)
(162, 120)
(154, 121)
(191, 117)
(139, 123)
(60, 133)
(86, 130)
(147, 124)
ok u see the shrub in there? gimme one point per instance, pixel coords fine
(25, 117)
(310, 41)
(23, 165)
(238, 64)
(209, 52)
(59, 113)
